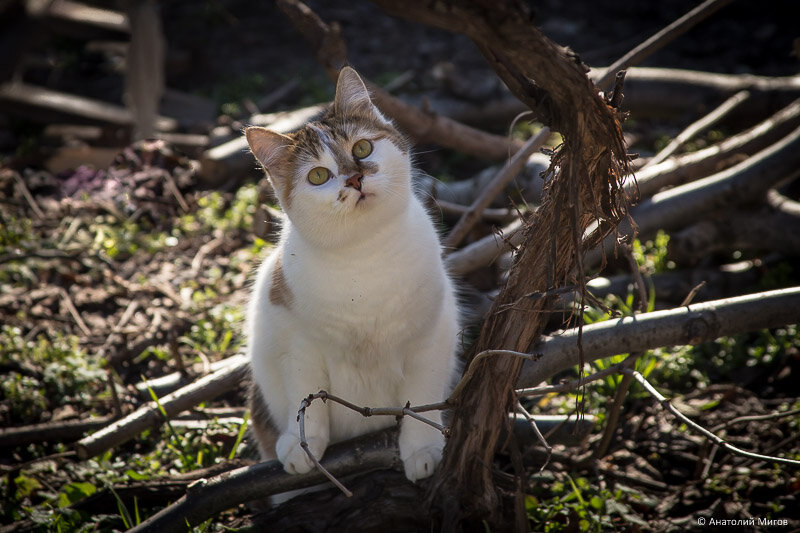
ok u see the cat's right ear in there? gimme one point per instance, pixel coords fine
(269, 147)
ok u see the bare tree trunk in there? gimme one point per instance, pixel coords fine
(584, 185)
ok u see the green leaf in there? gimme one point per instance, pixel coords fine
(136, 476)
(26, 485)
(597, 502)
(74, 492)
(240, 435)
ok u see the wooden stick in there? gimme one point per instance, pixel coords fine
(740, 184)
(661, 38)
(696, 127)
(495, 187)
(687, 325)
(692, 166)
(62, 431)
(149, 416)
(502, 214)
(26, 193)
(737, 229)
(483, 252)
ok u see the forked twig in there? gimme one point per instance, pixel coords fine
(301, 419)
(399, 412)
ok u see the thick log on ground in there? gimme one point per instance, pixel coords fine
(742, 230)
(150, 415)
(46, 105)
(664, 92)
(692, 324)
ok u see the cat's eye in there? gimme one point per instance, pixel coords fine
(362, 149)
(319, 175)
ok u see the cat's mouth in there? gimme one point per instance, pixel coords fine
(363, 196)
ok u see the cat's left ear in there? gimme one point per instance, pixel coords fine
(268, 146)
(352, 95)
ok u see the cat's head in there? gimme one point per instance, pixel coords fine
(341, 176)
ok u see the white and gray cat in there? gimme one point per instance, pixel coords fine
(354, 299)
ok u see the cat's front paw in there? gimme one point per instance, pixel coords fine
(293, 457)
(421, 463)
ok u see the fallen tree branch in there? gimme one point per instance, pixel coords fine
(673, 286)
(207, 498)
(60, 431)
(424, 127)
(765, 230)
(484, 251)
(494, 188)
(150, 416)
(528, 183)
(741, 184)
(375, 451)
(690, 325)
(690, 167)
(696, 127)
(663, 92)
(661, 39)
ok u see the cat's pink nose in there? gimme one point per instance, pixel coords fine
(354, 181)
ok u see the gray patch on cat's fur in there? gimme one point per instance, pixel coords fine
(279, 293)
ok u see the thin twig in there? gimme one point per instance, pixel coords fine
(696, 127)
(661, 38)
(665, 403)
(203, 251)
(26, 193)
(495, 187)
(754, 418)
(301, 419)
(575, 384)
(535, 428)
(473, 366)
(70, 305)
(692, 293)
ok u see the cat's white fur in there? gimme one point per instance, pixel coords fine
(372, 316)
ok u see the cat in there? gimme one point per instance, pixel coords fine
(354, 299)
